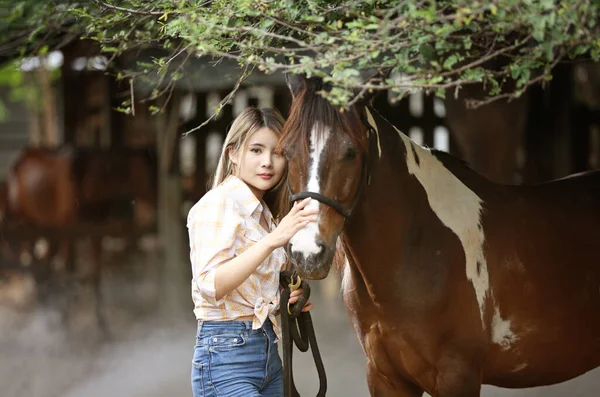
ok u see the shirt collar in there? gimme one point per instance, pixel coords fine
(270, 219)
(243, 195)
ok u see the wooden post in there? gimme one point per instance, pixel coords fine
(200, 174)
(36, 138)
(560, 109)
(72, 93)
(539, 138)
(50, 128)
(175, 301)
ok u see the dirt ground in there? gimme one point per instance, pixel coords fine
(150, 356)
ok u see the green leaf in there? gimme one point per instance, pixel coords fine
(339, 41)
(450, 62)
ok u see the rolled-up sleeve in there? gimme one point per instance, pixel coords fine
(213, 225)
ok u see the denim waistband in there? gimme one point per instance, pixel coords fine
(232, 325)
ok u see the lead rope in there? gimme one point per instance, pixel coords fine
(297, 328)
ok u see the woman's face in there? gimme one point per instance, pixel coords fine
(259, 165)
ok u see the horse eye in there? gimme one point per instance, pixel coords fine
(350, 153)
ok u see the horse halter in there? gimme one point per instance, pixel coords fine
(364, 173)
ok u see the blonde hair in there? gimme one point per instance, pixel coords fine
(245, 124)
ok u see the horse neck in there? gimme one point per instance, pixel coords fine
(410, 188)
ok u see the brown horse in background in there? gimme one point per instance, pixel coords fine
(451, 281)
(58, 191)
(490, 138)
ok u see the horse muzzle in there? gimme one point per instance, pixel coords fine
(313, 265)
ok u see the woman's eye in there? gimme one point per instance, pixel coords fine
(255, 150)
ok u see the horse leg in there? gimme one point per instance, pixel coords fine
(381, 386)
(38, 267)
(63, 263)
(96, 277)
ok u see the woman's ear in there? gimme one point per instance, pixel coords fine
(233, 155)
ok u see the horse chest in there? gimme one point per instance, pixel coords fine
(392, 350)
(386, 343)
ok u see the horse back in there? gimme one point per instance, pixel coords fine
(40, 187)
(541, 249)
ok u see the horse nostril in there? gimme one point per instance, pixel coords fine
(296, 257)
(321, 244)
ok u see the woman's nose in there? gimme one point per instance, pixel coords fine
(267, 161)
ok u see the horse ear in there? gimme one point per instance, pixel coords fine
(295, 83)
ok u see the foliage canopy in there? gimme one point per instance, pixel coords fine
(434, 45)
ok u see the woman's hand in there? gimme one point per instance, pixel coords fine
(297, 294)
(296, 219)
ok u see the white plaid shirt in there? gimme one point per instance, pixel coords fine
(223, 224)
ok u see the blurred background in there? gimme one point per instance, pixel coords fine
(94, 268)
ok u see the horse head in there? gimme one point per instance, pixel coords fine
(327, 151)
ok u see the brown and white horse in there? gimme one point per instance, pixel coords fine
(451, 281)
(62, 189)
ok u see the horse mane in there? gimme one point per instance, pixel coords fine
(445, 157)
(309, 108)
(458, 167)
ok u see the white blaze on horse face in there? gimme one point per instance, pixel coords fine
(305, 240)
(457, 207)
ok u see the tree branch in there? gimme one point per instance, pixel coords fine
(474, 103)
(224, 101)
(138, 12)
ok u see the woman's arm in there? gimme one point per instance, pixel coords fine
(233, 273)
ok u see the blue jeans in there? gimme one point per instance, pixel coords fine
(232, 359)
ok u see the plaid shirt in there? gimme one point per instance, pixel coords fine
(222, 225)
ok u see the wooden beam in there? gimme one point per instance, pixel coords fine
(170, 140)
(50, 128)
(176, 276)
(13, 230)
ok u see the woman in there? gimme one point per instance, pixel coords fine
(236, 254)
